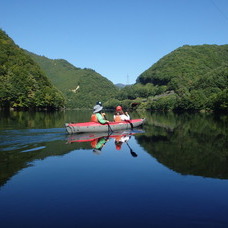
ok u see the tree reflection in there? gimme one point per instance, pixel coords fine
(191, 144)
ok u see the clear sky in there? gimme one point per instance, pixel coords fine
(119, 39)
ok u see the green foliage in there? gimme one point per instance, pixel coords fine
(112, 103)
(220, 101)
(162, 103)
(189, 78)
(216, 78)
(194, 100)
(140, 90)
(82, 88)
(22, 82)
(197, 74)
(185, 65)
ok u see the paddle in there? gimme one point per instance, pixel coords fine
(109, 127)
(131, 151)
(128, 121)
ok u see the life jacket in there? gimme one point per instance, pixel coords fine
(94, 118)
(117, 138)
(94, 143)
(117, 118)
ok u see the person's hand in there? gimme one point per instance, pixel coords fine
(126, 113)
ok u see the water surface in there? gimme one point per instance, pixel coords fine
(171, 173)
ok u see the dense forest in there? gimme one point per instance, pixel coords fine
(191, 78)
(82, 88)
(22, 84)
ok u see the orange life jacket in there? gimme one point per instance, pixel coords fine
(94, 118)
(94, 143)
(117, 138)
(117, 118)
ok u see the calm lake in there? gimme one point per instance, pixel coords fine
(173, 172)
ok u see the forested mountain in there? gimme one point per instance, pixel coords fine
(22, 84)
(82, 88)
(185, 65)
(189, 78)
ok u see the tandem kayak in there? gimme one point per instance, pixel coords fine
(97, 127)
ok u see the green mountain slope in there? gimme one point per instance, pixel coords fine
(82, 88)
(22, 84)
(185, 65)
(192, 78)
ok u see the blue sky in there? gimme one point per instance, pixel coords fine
(117, 38)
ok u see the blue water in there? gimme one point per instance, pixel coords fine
(49, 182)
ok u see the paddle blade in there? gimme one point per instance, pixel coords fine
(134, 154)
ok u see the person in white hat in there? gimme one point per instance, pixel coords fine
(97, 115)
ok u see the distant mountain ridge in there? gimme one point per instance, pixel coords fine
(120, 85)
(82, 88)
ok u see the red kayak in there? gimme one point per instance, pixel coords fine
(97, 127)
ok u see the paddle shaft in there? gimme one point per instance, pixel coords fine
(128, 121)
(109, 127)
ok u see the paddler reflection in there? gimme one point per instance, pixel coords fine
(98, 140)
(98, 143)
(120, 139)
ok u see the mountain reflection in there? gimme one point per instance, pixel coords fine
(190, 144)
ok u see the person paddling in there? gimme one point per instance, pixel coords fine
(120, 115)
(97, 115)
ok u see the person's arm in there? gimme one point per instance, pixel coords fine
(125, 117)
(100, 118)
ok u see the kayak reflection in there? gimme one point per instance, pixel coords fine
(99, 139)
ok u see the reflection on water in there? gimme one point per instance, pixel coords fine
(20, 146)
(141, 178)
(189, 143)
(98, 140)
(193, 144)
